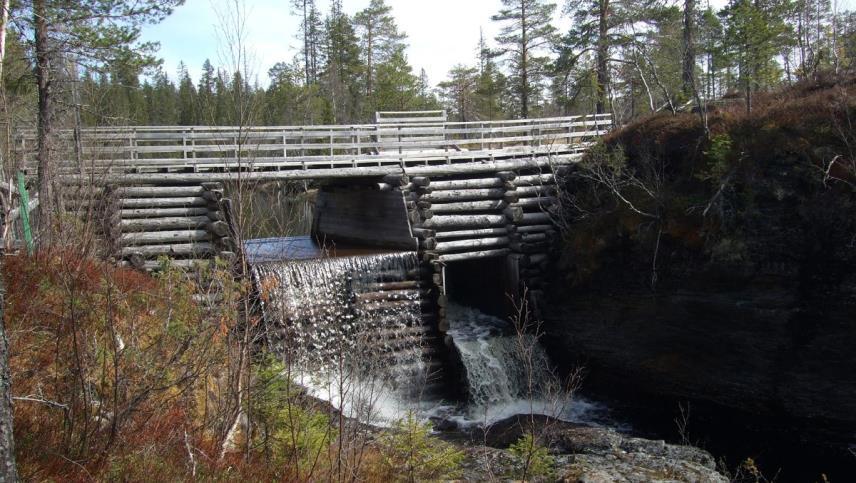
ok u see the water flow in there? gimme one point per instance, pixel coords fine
(350, 340)
(500, 365)
(326, 314)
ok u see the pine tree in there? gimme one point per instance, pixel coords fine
(459, 92)
(205, 94)
(601, 26)
(755, 31)
(380, 39)
(187, 98)
(343, 69)
(94, 33)
(396, 88)
(526, 33)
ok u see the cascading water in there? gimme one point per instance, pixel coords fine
(500, 366)
(324, 313)
(350, 330)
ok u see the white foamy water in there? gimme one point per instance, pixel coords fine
(354, 346)
(507, 375)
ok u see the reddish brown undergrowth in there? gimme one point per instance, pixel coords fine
(109, 370)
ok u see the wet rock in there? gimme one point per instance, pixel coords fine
(587, 454)
(602, 454)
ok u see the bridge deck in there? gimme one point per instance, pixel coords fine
(193, 153)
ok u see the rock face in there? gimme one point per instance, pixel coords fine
(602, 455)
(592, 454)
(764, 345)
(738, 288)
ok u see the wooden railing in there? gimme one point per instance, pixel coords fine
(154, 149)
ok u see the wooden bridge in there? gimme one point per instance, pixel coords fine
(413, 142)
(454, 192)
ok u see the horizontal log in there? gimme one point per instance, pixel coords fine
(150, 237)
(465, 206)
(444, 235)
(535, 179)
(533, 237)
(540, 202)
(535, 219)
(158, 191)
(472, 221)
(454, 257)
(169, 223)
(202, 248)
(534, 228)
(162, 202)
(471, 244)
(464, 194)
(162, 212)
(182, 263)
(457, 184)
(525, 191)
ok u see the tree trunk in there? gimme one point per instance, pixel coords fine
(306, 43)
(602, 57)
(45, 124)
(688, 74)
(7, 444)
(524, 65)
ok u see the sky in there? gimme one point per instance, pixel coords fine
(441, 33)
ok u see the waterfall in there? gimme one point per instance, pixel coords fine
(506, 373)
(363, 311)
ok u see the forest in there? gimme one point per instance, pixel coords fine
(628, 58)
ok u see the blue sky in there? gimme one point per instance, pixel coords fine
(437, 39)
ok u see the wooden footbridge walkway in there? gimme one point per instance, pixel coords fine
(413, 142)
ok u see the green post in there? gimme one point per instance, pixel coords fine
(25, 212)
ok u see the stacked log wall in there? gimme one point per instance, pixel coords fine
(185, 223)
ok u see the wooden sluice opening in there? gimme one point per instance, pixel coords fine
(504, 217)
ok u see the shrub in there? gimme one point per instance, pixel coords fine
(534, 460)
(410, 453)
